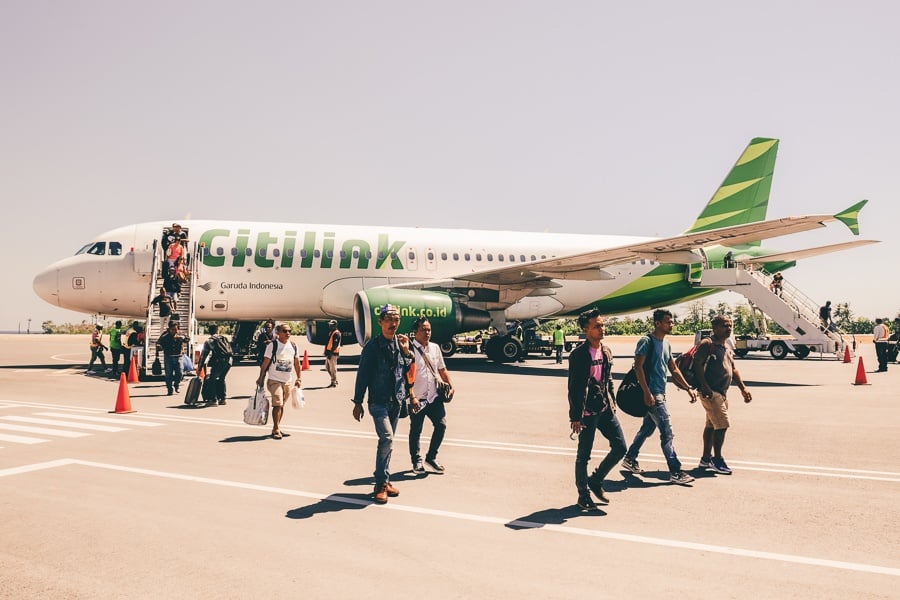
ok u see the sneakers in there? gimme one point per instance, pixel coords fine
(381, 495)
(418, 467)
(90, 372)
(632, 465)
(434, 464)
(107, 371)
(704, 463)
(598, 491)
(391, 490)
(585, 502)
(680, 478)
(717, 464)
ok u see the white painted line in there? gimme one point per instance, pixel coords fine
(623, 537)
(20, 439)
(120, 420)
(90, 426)
(43, 430)
(52, 464)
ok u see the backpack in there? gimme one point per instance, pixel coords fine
(220, 348)
(685, 364)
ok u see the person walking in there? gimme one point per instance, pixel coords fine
(281, 363)
(387, 372)
(825, 316)
(172, 344)
(424, 401)
(97, 349)
(115, 349)
(559, 340)
(332, 351)
(651, 357)
(167, 306)
(880, 335)
(217, 350)
(592, 408)
(714, 370)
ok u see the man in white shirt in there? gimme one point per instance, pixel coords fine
(880, 336)
(280, 362)
(425, 403)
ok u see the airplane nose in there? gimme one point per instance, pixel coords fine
(46, 285)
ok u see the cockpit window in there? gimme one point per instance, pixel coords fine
(98, 248)
(115, 248)
(83, 249)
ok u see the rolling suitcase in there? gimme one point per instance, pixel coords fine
(193, 391)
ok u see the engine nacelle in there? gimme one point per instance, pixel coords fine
(447, 316)
(317, 331)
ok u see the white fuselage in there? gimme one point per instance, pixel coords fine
(297, 271)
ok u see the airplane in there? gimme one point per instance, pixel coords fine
(462, 279)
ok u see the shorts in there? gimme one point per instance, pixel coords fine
(716, 411)
(279, 391)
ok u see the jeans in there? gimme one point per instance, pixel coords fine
(607, 423)
(173, 371)
(438, 416)
(657, 416)
(385, 417)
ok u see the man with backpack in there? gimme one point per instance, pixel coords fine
(592, 407)
(280, 362)
(714, 371)
(218, 350)
(651, 358)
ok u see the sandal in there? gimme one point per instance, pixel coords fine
(276, 435)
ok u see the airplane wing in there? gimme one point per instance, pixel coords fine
(791, 255)
(589, 266)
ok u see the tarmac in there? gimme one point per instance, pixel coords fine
(177, 502)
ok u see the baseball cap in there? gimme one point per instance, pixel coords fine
(388, 309)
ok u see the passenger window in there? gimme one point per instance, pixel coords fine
(443, 256)
(234, 252)
(522, 258)
(316, 253)
(431, 256)
(303, 253)
(478, 257)
(468, 256)
(249, 252)
(456, 256)
(220, 251)
(499, 257)
(275, 252)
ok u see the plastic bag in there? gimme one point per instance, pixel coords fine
(297, 399)
(257, 411)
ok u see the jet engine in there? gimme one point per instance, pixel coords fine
(446, 314)
(317, 331)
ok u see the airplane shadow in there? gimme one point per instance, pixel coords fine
(333, 503)
(552, 516)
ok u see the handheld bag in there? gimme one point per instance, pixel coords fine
(630, 396)
(297, 399)
(257, 411)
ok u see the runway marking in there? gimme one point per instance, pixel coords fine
(128, 420)
(563, 529)
(43, 430)
(90, 426)
(21, 439)
(756, 466)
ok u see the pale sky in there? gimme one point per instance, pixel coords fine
(573, 117)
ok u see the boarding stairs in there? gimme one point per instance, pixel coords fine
(185, 312)
(792, 310)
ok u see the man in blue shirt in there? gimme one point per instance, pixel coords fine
(651, 357)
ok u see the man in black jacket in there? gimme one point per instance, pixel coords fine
(592, 408)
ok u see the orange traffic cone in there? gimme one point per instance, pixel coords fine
(305, 361)
(123, 400)
(846, 353)
(861, 374)
(132, 370)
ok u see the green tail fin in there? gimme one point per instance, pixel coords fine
(744, 195)
(850, 216)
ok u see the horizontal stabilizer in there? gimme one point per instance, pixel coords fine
(792, 255)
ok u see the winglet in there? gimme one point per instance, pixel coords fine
(850, 216)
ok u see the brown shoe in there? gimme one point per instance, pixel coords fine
(391, 490)
(381, 494)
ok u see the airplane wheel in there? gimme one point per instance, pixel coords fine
(448, 348)
(510, 349)
(801, 352)
(492, 349)
(778, 350)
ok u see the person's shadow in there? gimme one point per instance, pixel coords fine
(552, 516)
(250, 438)
(333, 503)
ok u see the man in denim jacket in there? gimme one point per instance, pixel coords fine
(387, 372)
